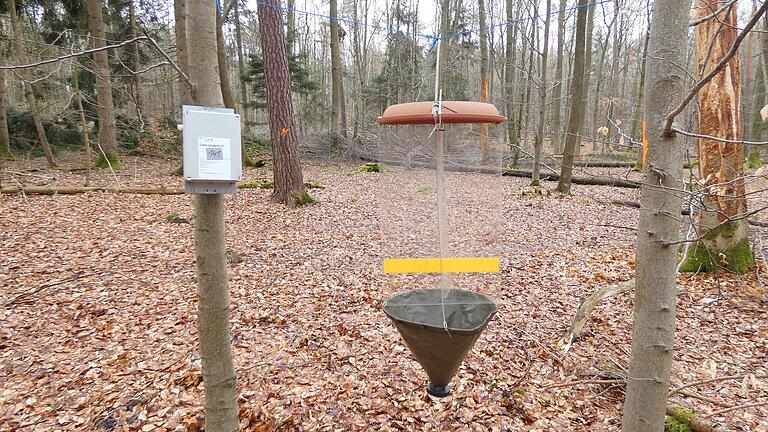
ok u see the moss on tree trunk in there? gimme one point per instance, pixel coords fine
(703, 256)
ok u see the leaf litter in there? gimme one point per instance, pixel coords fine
(99, 314)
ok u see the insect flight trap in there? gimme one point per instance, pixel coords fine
(441, 214)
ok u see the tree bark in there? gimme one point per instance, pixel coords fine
(289, 187)
(135, 61)
(509, 79)
(539, 140)
(29, 94)
(557, 90)
(221, 57)
(83, 128)
(246, 113)
(653, 325)
(724, 242)
(106, 109)
(576, 115)
(588, 71)
(221, 409)
(336, 83)
(182, 50)
(484, 144)
(5, 138)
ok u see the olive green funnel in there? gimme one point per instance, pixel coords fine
(418, 316)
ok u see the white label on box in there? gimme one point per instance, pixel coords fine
(214, 156)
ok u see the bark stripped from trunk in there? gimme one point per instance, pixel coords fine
(653, 324)
(723, 241)
(221, 410)
(289, 187)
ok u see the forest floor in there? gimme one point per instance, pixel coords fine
(98, 313)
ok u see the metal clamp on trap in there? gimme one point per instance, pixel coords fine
(211, 143)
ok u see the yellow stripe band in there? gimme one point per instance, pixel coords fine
(449, 265)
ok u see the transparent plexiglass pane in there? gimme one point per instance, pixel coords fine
(410, 207)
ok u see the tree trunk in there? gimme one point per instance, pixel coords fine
(588, 70)
(106, 109)
(640, 98)
(5, 139)
(723, 242)
(246, 113)
(291, 39)
(289, 187)
(484, 144)
(221, 409)
(576, 116)
(221, 57)
(557, 91)
(135, 61)
(182, 50)
(84, 128)
(539, 141)
(29, 94)
(509, 80)
(615, 57)
(336, 83)
(750, 94)
(653, 325)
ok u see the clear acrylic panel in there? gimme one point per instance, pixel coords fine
(409, 207)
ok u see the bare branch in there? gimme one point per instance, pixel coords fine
(709, 137)
(701, 83)
(712, 15)
(77, 54)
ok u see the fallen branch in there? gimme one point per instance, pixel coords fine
(592, 181)
(70, 190)
(582, 314)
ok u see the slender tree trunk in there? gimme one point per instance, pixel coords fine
(557, 90)
(29, 94)
(615, 57)
(576, 116)
(588, 70)
(751, 93)
(722, 223)
(107, 128)
(246, 113)
(653, 326)
(291, 18)
(84, 128)
(221, 56)
(640, 99)
(509, 79)
(221, 409)
(484, 144)
(136, 60)
(336, 83)
(539, 141)
(289, 187)
(5, 139)
(182, 50)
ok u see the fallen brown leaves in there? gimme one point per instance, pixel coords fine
(98, 312)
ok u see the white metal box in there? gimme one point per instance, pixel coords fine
(211, 142)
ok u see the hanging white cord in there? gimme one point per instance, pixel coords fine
(437, 112)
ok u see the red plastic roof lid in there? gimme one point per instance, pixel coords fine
(416, 113)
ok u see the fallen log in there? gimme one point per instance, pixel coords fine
(582, 314)
(592, 181)
(70, 190)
